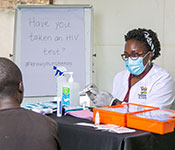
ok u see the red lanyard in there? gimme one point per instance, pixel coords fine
(126, 99)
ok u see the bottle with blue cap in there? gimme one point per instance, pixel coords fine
(60, 81)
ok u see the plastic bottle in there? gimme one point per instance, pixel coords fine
(60, 81)
(97, 118)
(70, 92)
(59, 73)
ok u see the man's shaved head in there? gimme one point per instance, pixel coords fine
(10, 77)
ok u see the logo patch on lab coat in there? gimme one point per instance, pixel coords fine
(143, 93)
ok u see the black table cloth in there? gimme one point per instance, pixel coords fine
(76, 137)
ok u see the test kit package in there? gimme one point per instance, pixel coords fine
(39, 108)
(159, 121)
(118, 114)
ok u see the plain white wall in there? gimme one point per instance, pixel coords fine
(6, 32)
(112, 20)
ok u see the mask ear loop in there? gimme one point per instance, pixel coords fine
(146, 54)
(149, 61)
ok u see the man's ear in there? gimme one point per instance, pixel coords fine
(20, 87)
(20, 92)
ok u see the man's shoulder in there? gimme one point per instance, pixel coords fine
(30, 127)
(36, 116)
(28, 117)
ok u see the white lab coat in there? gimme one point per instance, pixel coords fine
(154, 89)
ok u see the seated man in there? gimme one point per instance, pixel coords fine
(21, 129)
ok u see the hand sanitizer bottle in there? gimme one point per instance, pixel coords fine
(70, 92)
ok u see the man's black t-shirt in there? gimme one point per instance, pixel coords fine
(22, 129)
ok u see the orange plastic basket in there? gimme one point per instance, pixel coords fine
(172, 111)
(118, 114)
(150, 124)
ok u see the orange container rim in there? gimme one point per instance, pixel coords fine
(147, 119)
(122, 105)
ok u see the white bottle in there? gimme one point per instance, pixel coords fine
(61, 79)
(70, 92)
(60, 82)
(97, 118)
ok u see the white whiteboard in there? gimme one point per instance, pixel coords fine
(47, 36)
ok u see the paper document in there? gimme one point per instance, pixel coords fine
(114, 128)
(85, 124)
(122, 130)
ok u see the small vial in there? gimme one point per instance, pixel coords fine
(97, 118)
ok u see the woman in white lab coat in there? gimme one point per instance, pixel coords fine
(142, 82)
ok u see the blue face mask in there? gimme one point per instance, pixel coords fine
(135, 67)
